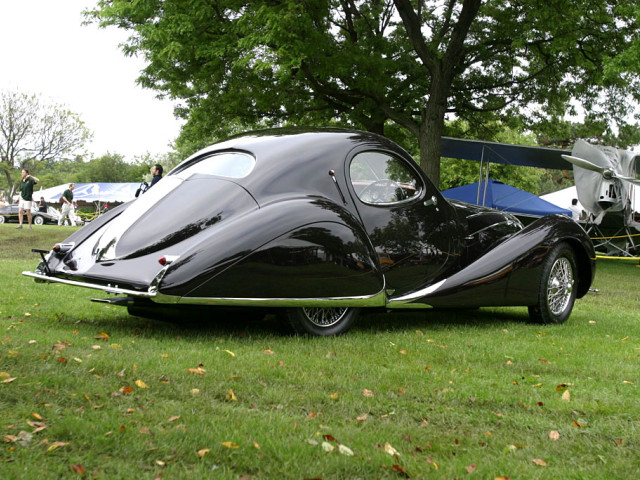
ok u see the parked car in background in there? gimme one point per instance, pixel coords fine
(319, 224)
(9, 213)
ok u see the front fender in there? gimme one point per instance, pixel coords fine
(299, 248)
(509, 273)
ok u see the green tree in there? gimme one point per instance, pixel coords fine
(32, 131)
(375, 63)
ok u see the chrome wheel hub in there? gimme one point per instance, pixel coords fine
(325, 317)
(559, 286)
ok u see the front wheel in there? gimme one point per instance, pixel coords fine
(556, 294)
(1, 219)
(38, 220)
(321, 322)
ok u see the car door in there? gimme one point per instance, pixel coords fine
(412, 228)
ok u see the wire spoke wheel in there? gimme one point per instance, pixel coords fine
(324, 317)
(559, 286)
(556, 293)
(321, 321)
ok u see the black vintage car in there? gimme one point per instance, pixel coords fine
(319, 224)
(9, 213)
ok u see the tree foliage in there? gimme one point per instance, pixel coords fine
(396, 67)
(32, 131)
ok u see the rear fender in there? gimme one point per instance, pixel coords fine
(298, 248)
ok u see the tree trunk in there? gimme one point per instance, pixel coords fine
(431, 128)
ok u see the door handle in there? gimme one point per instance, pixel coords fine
(431, 201)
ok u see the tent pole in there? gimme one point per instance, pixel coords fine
(486, 181)
(480, 176)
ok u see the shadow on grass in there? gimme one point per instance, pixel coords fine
(256, 322)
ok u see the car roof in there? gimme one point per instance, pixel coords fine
(297, 161)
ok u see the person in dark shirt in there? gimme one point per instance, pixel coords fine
(67, 205)
(26, 196)
(156, 171)
(42, 205)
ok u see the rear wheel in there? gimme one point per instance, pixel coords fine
(321, 322)
(38, 220)
(556, 294)
(1, 219)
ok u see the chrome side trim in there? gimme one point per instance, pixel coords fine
(400, 301)
(375, 300)
(114, 289)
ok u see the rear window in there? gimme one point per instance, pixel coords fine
(226, 164)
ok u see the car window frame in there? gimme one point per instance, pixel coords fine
(394, 155)
(187, 164)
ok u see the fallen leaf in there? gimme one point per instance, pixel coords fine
(77, 469)
(36, 416)
(126, 390)
(141, 384)
(56, 445)
(539, 461)
(198, 370)
(390, 450)
(230, 353)
(173, 419)
(563, 386)
(195, 391)
(327, 447)
(8, 380)
(403, 352)
(367, 393)
(96, 347)
(229, 444)
(256, 445)
(554, 435)
(566, 396)
(345, 450)
(334, 396)
(399, 469)
(362, 418)
(471, 468)
(230, 397)
(203, 452)
(268, 352)
(4, 375)
(103, 336)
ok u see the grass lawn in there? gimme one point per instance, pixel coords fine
(87, 391)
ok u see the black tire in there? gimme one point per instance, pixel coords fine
(322, 321)
(38, 220)
(1, 219)
(556, 292)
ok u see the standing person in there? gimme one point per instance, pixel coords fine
(26, 196)
(67, 204)
(156, 171)
(576, 211)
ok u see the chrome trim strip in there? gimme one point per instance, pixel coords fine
(376, 300)
(417, 294)
(39, 277)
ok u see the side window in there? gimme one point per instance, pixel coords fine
(379, 178)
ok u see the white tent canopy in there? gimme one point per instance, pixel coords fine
(92, 192)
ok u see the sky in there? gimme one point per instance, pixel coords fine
(46, 50)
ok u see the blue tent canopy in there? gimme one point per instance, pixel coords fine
(92, 192)
(504, 197)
